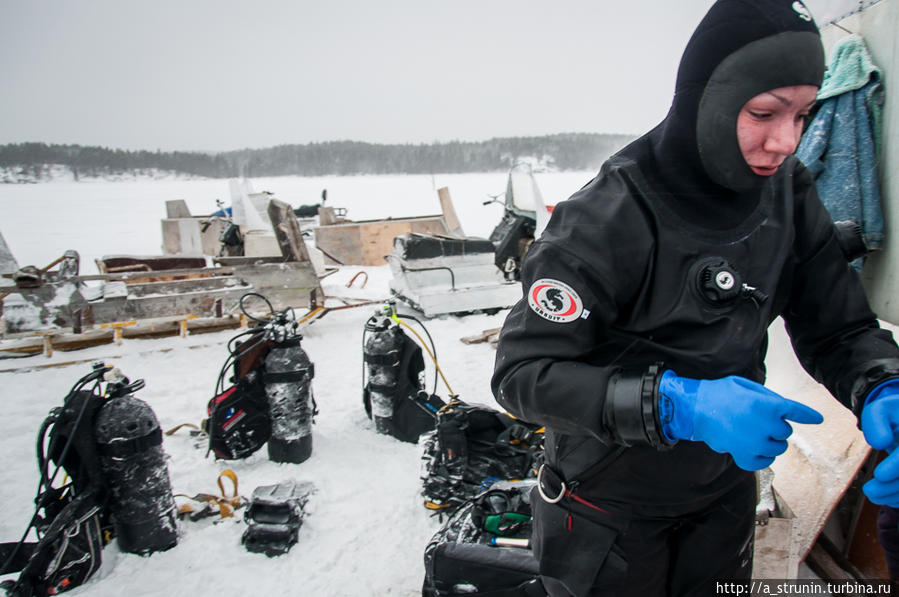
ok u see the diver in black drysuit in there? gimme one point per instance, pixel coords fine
(649, 288)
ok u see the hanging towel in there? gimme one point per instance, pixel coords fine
(841, 144)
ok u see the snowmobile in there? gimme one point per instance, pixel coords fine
(449, 274)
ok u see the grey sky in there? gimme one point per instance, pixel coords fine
(228, 74)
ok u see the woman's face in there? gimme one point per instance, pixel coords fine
(769, 126)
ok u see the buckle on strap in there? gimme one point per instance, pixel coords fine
(562, 487)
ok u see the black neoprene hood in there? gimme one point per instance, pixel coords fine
(740, 49)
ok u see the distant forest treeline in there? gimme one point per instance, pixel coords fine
(574, 151)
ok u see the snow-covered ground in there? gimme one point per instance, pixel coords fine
(367, 528)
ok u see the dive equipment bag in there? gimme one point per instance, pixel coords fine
(483, 547)
(238, 422)
(472, 447)
(274, 517)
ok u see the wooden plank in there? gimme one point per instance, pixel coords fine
(192, 236)
(177, 208)
(287, 231)
(105, 334)
(174, 274)
(772, 549)
(288, 284)
(8, 263)
(188, 285)
(326, 216)
(171, 237)
(367, 242)
(484, 336)
(190, 303)
(340, 243)
(449, 212)
(149, 263)
(377, 240)
(242, 260)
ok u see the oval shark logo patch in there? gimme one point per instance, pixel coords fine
(555, 301)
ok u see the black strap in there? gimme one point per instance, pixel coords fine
(129, 447)
(381, 388)
(391, 358)
(289, 376)
(15, 555)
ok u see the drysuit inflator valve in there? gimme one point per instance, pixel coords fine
(719, 283)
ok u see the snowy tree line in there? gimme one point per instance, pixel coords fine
(570, 151)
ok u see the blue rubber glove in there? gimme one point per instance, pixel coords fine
(733, 415)
(880, 424)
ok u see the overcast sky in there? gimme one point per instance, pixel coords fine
(228, 74)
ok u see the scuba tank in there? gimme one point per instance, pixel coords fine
(288, 389)
(393, 388)
(129, 442)
(381, 352)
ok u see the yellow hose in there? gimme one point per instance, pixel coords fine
(310, 315)
(425, 346)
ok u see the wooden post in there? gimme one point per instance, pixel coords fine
(76, 321)
(449, 212)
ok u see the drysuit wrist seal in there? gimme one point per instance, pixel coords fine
(631, 411)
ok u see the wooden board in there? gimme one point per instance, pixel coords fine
(186, 236)
(48, 342)
(366, 243)
(822, 460)
(287, 231)
(772, 549)
(150, 263)
(8, 264)
(449, 212)
(177, 208)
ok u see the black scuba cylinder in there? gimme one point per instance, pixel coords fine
(129, 441)
(288, 389)
(382, 352)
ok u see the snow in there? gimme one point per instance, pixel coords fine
(366, 527)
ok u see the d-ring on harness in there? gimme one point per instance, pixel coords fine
(563, 489)
(568, 489)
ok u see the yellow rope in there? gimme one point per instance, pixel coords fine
(425, 346)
